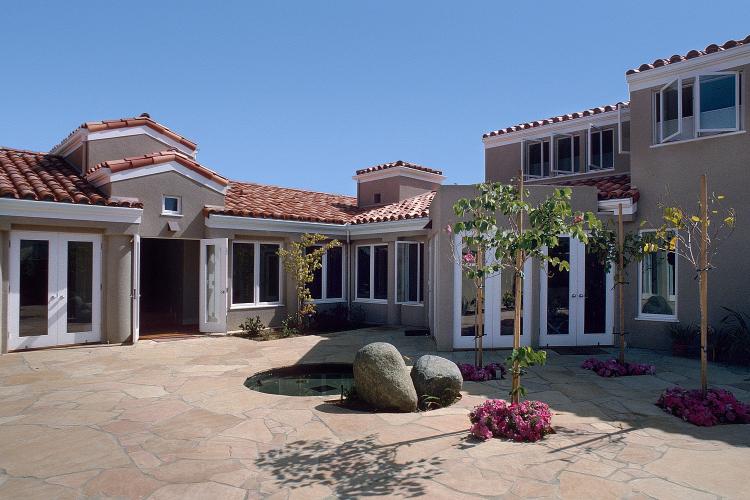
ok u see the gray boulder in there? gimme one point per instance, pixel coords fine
(433, 376)
(382, 379)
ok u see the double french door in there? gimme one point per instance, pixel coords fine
(576, 305)
(55, 289)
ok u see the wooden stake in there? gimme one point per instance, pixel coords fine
(480, 311)
(518, 304)
(703, 284)
(620, 281)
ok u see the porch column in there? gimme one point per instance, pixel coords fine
(117, 288)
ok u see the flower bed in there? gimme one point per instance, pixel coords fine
(474, 374)
(527, 421)
(613, 368)
(716, 407)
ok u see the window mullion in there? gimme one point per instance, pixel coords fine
(256, 273)
(324, 276)
(372, 272)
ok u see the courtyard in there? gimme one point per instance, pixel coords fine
(172, 419)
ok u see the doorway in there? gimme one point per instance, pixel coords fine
(576, 305)
(168, 287)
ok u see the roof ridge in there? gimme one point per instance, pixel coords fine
(692, 54)
(398, 163)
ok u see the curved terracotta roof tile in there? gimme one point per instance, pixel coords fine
(612, 187)
(38, 176)
(158, 158)
(710, 49)
(410, 208)
(399, 163)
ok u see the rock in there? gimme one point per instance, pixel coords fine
(382, 380)
(433, 376)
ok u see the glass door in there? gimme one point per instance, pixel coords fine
(597, 301)
(213, 285)
(79, 288)
(500, 307)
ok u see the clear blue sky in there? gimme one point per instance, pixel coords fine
(303, 93)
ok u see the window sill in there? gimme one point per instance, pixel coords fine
(167, 214)
(327, 301)
(661, 319)
(371, 301)
(261, 305)
(566, 176)
(695, 139)
(413, 304)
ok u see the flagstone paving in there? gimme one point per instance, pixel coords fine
(170, 420)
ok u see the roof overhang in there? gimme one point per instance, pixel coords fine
(219, 221)
(105, 175)
(399, 172)
(82, 135)
(609, 207)
(11, 207)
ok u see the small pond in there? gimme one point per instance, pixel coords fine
(327, 379)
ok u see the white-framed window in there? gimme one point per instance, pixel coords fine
(328, 281)
(601, 149)
(371, 273)
(171, 205)
(409, 258)
(256, 273)
(537, 156)
(567, 155)
(696, 106)
(657, 286)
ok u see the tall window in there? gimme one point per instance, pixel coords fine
(658, 285)
(327, 281)
(537, 159)
(409, 258)
(601, 149)
(256, 273)
(567, 155)
(372, 272)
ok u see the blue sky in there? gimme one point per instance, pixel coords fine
(303, 93)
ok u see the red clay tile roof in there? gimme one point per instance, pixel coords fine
(711, 49)
(410, 208)
(161, 157)
(557, 119)
(143, 119)
(29, 175)
(611, 187)
(399, 163)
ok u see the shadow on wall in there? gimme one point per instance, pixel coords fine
(352, 469)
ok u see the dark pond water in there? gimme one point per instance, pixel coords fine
(326, 379)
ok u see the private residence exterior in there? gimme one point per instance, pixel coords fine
(119, 230)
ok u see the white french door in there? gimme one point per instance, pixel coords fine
(55, 289)
(213, 285)
(135, 293)
(576, 305)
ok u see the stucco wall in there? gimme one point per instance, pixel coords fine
(121, 147)
(392, 189)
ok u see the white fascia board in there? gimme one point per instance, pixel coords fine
(567, 127)
(105, 175)
(401, 172)
(629, 207)
(70, 144)
(395, 226)
(81, 135)
(218, 221)
(718, 61)
(10, 207)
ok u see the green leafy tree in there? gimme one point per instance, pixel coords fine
(301, 260)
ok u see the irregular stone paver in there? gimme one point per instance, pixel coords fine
(174, 420)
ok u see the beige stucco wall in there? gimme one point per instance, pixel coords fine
(121, 147)
(392, 189)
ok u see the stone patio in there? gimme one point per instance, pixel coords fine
(173, 420)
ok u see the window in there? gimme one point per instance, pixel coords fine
(693, 107)
(171, 205)
(327, 281)
(372, 272)
(409, 257)
(537, 159)
(567, 155)
(601, 149)
(376, 198)
(256, 273)
(658, 286)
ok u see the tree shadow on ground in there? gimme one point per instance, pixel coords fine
(351, 469)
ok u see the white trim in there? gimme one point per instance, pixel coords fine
(103, 176)
(718, 61)
(325, 299)
(68, 211)
(239, 223)
(629, 207)
(256, 276)
(697, 104)
(399, 171)
(388, 227)
(173, 213)
(701, 138)
(371, 299)
(420, 278)
(657, 317)
(564, 127)
(219, 298)
(82, 135)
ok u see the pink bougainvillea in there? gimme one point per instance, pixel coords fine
(613, 368)
(474, 374)
(469, 258)
(527, 421)
(716, 407)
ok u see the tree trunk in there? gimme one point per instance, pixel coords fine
(621, 282)
(516, 371)
(703, 284)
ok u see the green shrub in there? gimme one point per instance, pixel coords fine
(252, 327)
(290, 327)
(733, 345)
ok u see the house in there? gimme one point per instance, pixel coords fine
(120, 230)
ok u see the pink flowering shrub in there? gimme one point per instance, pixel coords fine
(613, 368)
(527, 421)
(474, 374)
(716, 407)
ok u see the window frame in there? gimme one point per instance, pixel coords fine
(526, 156)
(324, 298)
(257, 303)
(673, 318)
(371, 298)
(697, 103)
(420, 277)
(590, 166)
(172, 213)
(554, 166)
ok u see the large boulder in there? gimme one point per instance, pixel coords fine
(433, 376)
(382, 379)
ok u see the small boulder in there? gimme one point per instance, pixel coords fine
(433, 376)
(382, 379)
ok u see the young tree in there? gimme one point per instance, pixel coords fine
(695, 237)
(301, 260)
